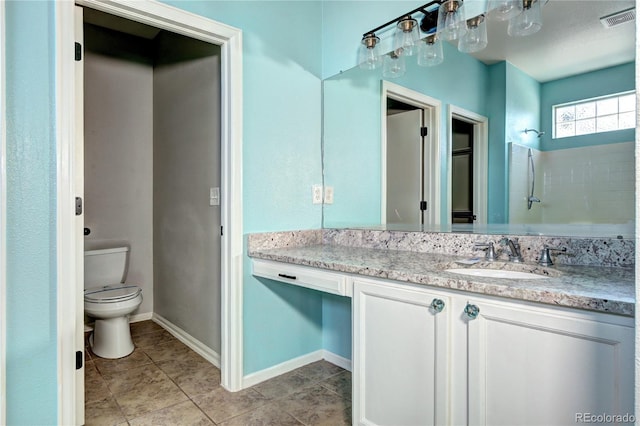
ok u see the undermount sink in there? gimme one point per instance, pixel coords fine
(495, 273)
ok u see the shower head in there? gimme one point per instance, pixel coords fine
(537, 132)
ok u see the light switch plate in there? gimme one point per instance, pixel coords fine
(214, 196)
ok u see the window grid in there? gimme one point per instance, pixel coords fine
(596, 115)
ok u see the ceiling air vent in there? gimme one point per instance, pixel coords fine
(627, 15)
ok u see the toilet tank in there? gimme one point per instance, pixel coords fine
(105, 266)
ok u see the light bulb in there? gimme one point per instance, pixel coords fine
(430, 52)
(528, 22)
(394, 65)
(406, 36)
(368, 54)
(451, 20)
(503, 10)
(476, 37)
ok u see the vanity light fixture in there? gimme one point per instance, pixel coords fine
(444, 20)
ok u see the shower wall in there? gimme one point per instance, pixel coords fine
(588, 185)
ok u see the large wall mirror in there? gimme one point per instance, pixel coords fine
(491, 159)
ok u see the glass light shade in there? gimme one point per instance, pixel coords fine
(369, 53)
(430, 52)
(394, 65)
(503, 10)
(451, 22)
(475, 38)
(406, 36)
(528, 22)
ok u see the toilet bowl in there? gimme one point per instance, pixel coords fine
(110, 301)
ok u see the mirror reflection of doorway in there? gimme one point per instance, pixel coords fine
(462, 172)
(405, 165)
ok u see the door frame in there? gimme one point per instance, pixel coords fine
(431, 108)
(3, 224)
(480, 160)
(229, 39)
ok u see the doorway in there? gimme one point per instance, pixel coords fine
(462, 196)
(467, 154)
(70, 252)
(410, 157)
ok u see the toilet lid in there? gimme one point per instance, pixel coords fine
(112, 293)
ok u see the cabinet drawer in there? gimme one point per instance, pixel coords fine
(313, 278)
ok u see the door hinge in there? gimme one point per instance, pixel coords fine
(423, 205)
(78, 206)
(78, 51)
(423, 131)
(221, 230)
(79, 359)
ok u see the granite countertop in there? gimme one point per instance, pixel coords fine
(596, 288)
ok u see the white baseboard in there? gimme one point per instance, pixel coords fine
(271, 372)
(200, 348)
(337, 360)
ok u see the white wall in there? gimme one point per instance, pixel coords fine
(588, 185)
(118, 159)
(186, 164)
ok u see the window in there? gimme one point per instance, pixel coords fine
(596, 115)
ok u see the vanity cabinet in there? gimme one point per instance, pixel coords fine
(400, 355)
(537, 365)
(483, 360)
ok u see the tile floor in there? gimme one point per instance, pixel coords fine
(163, 382)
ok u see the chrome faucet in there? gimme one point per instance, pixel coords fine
(545, 257)
(514, 250)
(491, 252)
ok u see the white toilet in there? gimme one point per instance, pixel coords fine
(109, 301)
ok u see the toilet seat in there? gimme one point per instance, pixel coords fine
(112, 293)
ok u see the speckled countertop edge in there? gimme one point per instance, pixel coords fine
(596, 288)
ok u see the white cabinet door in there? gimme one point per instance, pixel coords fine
(400, 355)
(532, 365)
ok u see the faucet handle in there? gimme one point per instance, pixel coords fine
(545, 257)
(491, 252)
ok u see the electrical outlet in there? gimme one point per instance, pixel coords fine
(316, 194)
(328, 194)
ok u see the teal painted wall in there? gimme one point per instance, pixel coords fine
(522, 109)
(281, 161)
(603, 82)
(497, 204)
(31, 351)
(336, 325)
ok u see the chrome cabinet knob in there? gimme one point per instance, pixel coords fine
(471, 311)
(437, 305)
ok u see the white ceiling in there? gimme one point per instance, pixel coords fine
(572, 40)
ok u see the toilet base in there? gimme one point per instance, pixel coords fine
(111, 338)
